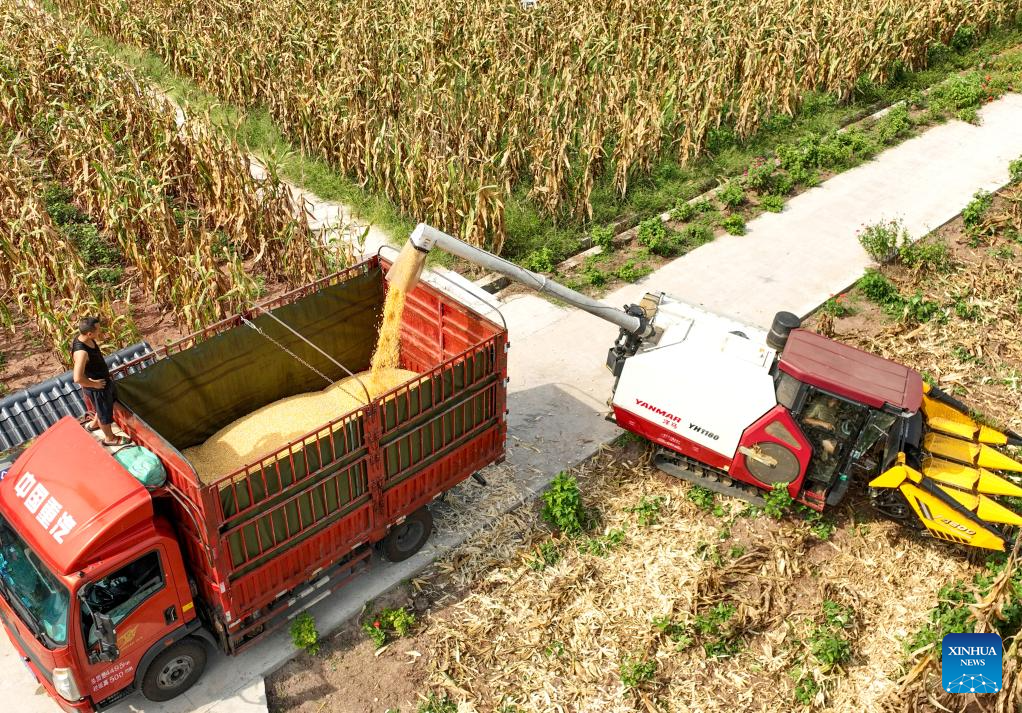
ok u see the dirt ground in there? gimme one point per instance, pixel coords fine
(350, 674)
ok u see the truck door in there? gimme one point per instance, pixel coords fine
(142, 605)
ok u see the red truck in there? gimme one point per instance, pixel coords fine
(107, 587)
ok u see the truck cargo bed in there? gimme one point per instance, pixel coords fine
(256, 534)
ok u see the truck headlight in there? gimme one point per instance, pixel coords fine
(65, 684)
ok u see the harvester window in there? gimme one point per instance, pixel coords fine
(120, 593)
(788, 388)
(832, 426)
(868, 454)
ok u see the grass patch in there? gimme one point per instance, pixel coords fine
(563, 508)
(647, 512)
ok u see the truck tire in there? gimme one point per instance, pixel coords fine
(175, 670)
(406, 539)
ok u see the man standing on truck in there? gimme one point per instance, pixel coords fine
(91, 373)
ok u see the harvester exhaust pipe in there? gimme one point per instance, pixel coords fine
(784, 323)
(407, 269)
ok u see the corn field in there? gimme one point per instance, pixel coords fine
(178, 201)
(449, 107)
(41, 274)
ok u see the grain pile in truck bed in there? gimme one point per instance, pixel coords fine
(272, 427)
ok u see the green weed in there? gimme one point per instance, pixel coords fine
(674, 631)
(837, 307)
(683, 212)
(547, 555)
(636, 670)
(772, 203)
(964, 310)
(734, 224)
(806, 687)
(960, 96)
(603, 237)
(438, 704)
(919, 309)
(600, 546)
(697, 234)
(563, 508)
(703, 205)
(631, 271)
(777, 501)
(878, 289)
(951, 615)
(893, 125)
(716, 631)
(761, 174)
(648, 510)
(975, 211)
(389, 623)
(823, 528)
(702, 497)
(731, 195)
(882, 241)
(926, 255)
(594, 276)
(57, 201)
(541, 260)
(964, 38)
(304, 634)
(1015, 170)
(660, 239)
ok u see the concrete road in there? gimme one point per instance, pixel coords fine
(794, 260)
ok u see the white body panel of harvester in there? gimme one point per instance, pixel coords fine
(701, 379)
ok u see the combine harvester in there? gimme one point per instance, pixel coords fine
(741, 411)
(109, 587)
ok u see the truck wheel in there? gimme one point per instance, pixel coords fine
(406, 539)
(175, 670)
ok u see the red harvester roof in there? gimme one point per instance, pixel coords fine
(850, 372)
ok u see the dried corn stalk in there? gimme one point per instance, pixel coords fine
(447, 108)
(180, 201)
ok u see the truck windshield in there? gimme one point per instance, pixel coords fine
(32, 590)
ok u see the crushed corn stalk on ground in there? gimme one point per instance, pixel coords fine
(560, 637)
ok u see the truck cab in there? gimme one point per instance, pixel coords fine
(93, 588)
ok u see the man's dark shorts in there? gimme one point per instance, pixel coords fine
(102, 401)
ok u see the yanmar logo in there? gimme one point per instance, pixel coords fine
(658, 411)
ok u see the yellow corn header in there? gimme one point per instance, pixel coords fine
(952, 491)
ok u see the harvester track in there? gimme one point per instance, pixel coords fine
(685, 468)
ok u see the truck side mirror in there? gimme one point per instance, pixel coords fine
(104, 626)
(108, 650)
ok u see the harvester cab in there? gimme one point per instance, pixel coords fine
(743, 411)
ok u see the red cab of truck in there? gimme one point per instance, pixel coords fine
(108, 587)
(70, 519)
